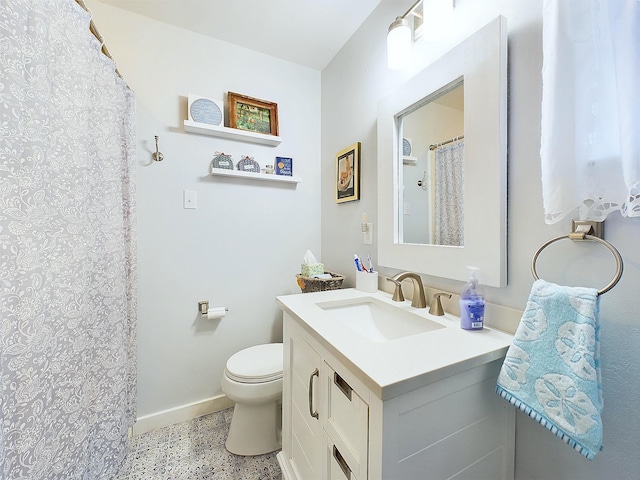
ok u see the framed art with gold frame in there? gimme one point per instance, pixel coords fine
(252, 114)
(347, 180)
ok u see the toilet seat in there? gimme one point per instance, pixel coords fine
(258, 364)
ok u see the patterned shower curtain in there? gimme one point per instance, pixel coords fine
(67, 253)
(449, 195)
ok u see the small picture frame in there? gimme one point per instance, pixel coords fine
(253, 114)
(284, 166)
(348, 174)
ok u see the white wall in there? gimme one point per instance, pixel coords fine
(353, 84)
(244, 243)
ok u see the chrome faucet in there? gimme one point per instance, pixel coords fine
(419, 300)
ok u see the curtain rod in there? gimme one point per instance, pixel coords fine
(96, 33)
(454, 139)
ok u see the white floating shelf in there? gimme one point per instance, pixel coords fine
(231, 133)
(407, 159)
(223, 172)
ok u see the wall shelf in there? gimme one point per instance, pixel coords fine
(223, 172)
(231, 133)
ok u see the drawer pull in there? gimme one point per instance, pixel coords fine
(343, 464)
(315, 373)
(342, 385)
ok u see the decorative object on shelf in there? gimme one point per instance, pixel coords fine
(268, 169)
(222, 160)
(407, 147)
(284, 166)
(348, 174)
(252, 114)
(157, 155)
(248, 164)
(206, 110)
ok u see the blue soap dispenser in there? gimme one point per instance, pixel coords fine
(472, 303)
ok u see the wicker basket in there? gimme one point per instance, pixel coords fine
(308, 285)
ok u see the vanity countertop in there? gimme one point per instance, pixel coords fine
(395, 367)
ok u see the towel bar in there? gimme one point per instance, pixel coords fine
(576, 236)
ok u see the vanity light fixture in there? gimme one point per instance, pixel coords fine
(399, 39)
(430, 18)
(435, 19)
(399, 43)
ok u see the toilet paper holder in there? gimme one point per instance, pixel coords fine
(203, 307)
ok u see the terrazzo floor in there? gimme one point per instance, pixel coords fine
(194, 450)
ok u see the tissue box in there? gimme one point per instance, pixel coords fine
(311, 269)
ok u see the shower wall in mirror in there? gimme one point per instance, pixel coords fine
(432, 200)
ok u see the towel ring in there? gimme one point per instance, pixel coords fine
(610, 247)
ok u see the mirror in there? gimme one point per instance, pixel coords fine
(475, 70)
(432, 149)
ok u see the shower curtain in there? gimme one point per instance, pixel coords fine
(449, 195)
(67, 256)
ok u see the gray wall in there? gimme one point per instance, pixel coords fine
(353, 84)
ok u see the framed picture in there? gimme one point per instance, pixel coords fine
(348, 174)
(252, 114)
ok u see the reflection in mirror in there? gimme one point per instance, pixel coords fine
(432, 197)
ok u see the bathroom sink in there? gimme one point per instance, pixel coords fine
(376, 320)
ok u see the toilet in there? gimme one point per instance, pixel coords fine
(253, 380)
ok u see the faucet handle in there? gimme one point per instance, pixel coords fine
(398, 296)
(436, 304)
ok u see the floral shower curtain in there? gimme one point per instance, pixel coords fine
(449, 195)
(67, 253)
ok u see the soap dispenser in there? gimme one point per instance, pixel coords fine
(472, 303)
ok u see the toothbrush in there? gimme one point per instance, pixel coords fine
(359, 264)
(370, 264)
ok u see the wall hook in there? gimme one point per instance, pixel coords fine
(423, 182)
(157, 155)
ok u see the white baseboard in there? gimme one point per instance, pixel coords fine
(180, 414)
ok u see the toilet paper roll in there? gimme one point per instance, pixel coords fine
(216, 312)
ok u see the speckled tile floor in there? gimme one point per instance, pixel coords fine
(194, 450)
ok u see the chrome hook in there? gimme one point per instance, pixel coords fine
(157, 155)
(423, 182)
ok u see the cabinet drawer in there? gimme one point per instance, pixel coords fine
(337, 467)
(347, 421)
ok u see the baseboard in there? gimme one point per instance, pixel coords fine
(180, 414)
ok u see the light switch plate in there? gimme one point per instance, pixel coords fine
(367, 237)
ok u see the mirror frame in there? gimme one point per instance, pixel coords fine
(481, 60)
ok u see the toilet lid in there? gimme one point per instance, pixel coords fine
(259, 364)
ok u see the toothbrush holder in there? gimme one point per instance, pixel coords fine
(367, 282)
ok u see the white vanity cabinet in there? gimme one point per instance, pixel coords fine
(325, 425)
(337, 425)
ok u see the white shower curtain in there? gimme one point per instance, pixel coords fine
(67, 254)
(449, 195)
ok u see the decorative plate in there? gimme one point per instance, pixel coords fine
(205, 110)
(222, 161)
(406, 147)
(248, 164)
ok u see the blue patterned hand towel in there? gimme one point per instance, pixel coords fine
(552, 369)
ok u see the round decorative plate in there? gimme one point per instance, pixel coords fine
(406, 147)
(223, 161)
(207, 111)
